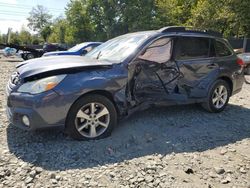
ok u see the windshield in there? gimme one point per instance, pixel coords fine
(119, 48)
(77, 47)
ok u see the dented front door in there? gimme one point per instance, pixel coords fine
(153, 74)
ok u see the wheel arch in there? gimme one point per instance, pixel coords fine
(229, 81)
(104, 93)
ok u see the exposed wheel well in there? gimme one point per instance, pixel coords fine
(101, 92)
(229, 81)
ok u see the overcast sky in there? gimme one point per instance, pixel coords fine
(14, 13)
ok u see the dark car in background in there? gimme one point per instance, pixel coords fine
(35, 51)
(80, 49)
(87, 95)
(50, 47)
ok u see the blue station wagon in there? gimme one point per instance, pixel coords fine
(88, 95)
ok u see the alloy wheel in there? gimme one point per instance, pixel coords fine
(92, 120)
(220, 96)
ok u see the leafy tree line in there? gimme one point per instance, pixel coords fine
(100, 20)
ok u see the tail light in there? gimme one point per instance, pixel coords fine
(240, 62)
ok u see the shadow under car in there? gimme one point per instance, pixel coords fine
(160, 130)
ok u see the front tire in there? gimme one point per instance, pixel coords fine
(218, 97)
(91, 117)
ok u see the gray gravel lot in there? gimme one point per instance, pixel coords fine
(181, 146)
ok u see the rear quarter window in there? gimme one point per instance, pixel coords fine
(222, 49)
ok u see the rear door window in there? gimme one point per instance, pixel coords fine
(192, 48)
(222, 49)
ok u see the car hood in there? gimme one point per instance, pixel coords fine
(57, 53)
(54, 64)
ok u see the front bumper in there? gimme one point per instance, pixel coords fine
(43, 110)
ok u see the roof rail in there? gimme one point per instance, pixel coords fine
(172, 29)
(189, 30)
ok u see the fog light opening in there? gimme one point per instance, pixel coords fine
(26, 120)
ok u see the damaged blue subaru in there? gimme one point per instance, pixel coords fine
(88, 95)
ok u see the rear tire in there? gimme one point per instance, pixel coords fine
(91, 117)
(218, 97)
(30, 56)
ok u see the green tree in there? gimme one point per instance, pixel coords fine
(230, 18)
(40, 21)
(15, 38)
(25, 36)
(39, 18)
(174, 12)
(138, 15)
(1, 38)
(115, 17)
(215, 15)
(45, 32)
(36, 39)
(241, 9)
(80, 28)
(59, 29)
(104, 17)
(102, 20)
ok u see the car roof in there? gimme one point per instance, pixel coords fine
(85, 44)
(149, 33)
(182, 31)
(89, 43)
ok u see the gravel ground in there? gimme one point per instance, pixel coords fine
(180, 146)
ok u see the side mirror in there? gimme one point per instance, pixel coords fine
(84, 52)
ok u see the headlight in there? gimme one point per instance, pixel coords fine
(39, 86)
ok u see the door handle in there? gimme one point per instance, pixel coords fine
(211, 66)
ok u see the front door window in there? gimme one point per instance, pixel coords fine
(159, 51)
(153, 74)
